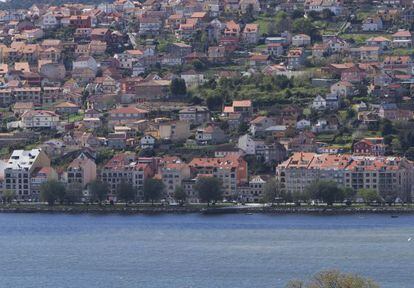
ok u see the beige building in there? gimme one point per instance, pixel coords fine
(387, 175)
(174, 130)
(125, 168)
(172, 174)
(82, 170)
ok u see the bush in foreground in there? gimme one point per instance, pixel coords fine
(334, 279)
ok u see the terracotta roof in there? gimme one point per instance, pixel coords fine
(128, 110)
(242, 103)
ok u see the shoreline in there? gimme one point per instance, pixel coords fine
(276, 210)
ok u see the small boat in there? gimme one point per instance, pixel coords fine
(394, 216)
(249, 213)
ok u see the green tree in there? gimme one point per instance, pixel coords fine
(214, 102)
(125, 192)
(331, 279)
(98, 190)
(52, 191)
(272, 191)
(303, 25)
(410, 153)
(8, 196)
(178, 87)
(198, 65)
(327, 191)
(73, 193)
(209, 189)
(369, 195)
(153, 190)
(327, 14)
(271, 28)
(387, 128)
(179, 195)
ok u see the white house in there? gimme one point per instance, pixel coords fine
(48, 21)
(147, 142)
(192, 78)
(342, 88)
(40, 119)
(128, 58)
(303, 124)
(319, 103)
(247, 144)
(372, 24)
(301, 40)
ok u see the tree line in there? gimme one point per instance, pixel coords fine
(209, 190)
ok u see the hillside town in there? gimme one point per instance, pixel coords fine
(250, 92)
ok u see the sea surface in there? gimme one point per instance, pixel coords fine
(246, 251)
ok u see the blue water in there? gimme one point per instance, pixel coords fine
(41, 250)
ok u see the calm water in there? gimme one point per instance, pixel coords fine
(200, 251)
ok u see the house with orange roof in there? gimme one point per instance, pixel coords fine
(259, 60)
(402, 39)
(231, 170)
(128, 58)
(125, 115)
(390, 176)
(232, 29)
(82, 170)
(243, 107)
(67, 108)
(40, 119)
(251, 33)
(125, 168)
(295, 58)
(370, 146)
(383, 42)
(173, 173)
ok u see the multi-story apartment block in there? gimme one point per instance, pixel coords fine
(20, 170)
(125, 168)
(28, 94)
(231, 170)
(81, 170)
(6, 97)
(253, 191)
(387, 175)
(40, 119)
(173, 173)
(195, 114)
(39, 176)
(174, 130)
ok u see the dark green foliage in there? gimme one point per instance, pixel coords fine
(179, 195)
(369, 195)
(153, 189)
(214, 102)
(209, 189)
(125, 192)
(387, 127)
(52, 191)
(331, 279)
(273, 192)
(327, 191)
(98, 190)
(178, 87)
(73, 193)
